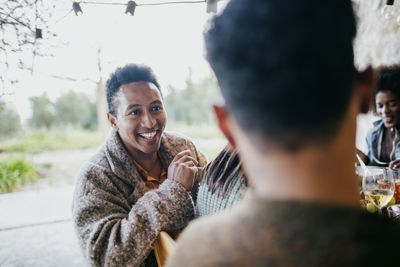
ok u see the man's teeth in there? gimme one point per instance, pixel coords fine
(148, 135)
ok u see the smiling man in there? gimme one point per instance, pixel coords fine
(383, 140)
(138, 183)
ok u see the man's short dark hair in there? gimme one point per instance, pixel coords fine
(285, 68)
(127, 74)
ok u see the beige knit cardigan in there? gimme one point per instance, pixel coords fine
(116, 219)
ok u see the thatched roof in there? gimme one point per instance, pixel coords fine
(378, 38)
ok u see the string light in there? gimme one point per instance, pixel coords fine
(38, 33)
(131, 5)
(212, 6)
(77, 8)
(130, 8)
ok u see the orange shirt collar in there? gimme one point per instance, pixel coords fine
(152, 182)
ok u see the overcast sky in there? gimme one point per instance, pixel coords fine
(168, 38)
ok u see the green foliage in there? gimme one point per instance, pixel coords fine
(42, 112)
(9, 121)
(70, 109)
(76, 109)
(54, 139)
(190, 113)
(14, 173)
(193, 104)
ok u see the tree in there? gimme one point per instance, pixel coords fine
(9, 120)
(19, 21)
(42, 112)
(192, 104)
(76, 109)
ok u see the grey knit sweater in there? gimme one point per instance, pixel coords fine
(115, 217)
(208, 203)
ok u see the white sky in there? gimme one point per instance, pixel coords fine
(168, 38)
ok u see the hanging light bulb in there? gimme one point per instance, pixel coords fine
(130, 8)
(77, 8)
(38, 34)
(212, 6)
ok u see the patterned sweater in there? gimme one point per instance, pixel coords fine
(208, 203)
(260, 232)
(115, 217)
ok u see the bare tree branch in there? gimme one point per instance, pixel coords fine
(18, 22)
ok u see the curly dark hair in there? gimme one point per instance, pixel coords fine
(127, 74)
(389, 80)
(285, 68)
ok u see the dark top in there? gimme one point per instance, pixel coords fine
(259, 232)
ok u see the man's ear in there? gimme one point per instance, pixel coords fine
(365, 82)
(113, 121)
(223, 122)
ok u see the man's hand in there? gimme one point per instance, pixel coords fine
(183, 169)
(363, 157)
(395, 164)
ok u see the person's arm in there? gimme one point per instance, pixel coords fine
(112, 232)
(395, 164)
(362, 156)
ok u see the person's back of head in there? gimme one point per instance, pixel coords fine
(285, 68)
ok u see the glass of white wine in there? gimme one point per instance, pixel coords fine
(378, 187)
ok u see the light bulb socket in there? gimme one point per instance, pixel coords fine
(212, 6)
(389, 2)
(130, 8)
(77, 8)
(38, 33)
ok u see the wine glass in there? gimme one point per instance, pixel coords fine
(378, 187)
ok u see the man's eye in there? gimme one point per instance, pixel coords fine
(156, 108)
(135, 112)
(392, 104)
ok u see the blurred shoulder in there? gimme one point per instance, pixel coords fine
(193, 245)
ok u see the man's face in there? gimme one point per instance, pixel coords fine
(388, 108)
(141, 117)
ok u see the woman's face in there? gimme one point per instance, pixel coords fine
(388, 108)
(141, 117)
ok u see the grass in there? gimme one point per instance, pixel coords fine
(14, 173)
(42, 140)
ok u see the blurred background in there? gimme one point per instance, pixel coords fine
(54, 62)
(52, 102)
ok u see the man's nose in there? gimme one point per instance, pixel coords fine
(148, 121)
(386, 109)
